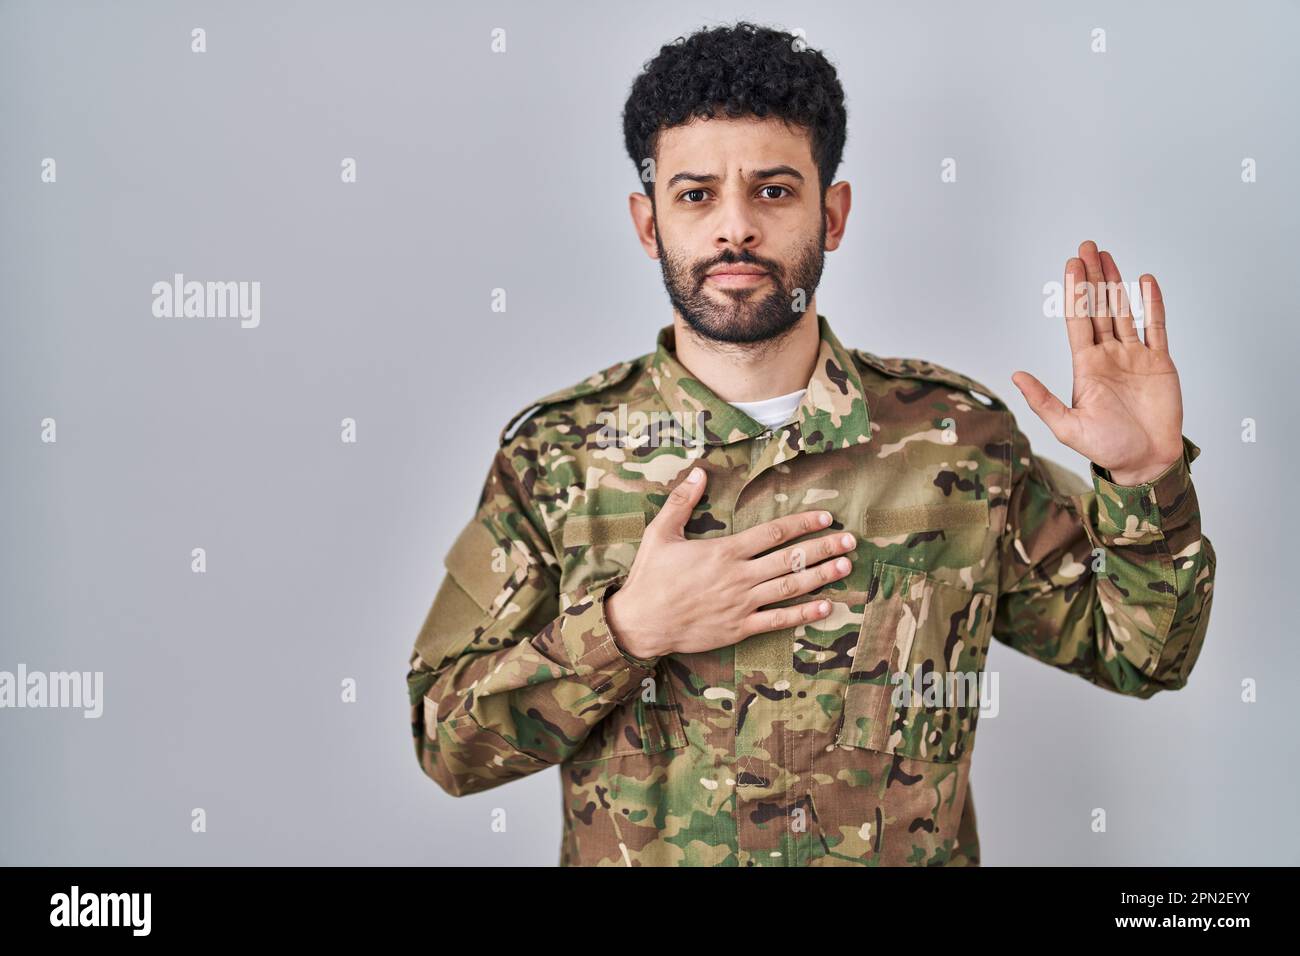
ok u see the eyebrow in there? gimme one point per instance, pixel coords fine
(710, 178)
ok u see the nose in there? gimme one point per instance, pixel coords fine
(737, 226)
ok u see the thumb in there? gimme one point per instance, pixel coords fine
(1046, 406)
(672, 517)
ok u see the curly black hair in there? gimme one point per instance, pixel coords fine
(742, 70)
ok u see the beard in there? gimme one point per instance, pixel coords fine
(744, 316)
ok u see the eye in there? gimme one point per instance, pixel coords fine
(692, 192)
(775, 186)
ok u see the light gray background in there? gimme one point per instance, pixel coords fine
(479, 171)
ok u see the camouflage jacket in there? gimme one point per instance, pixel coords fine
(804, 746)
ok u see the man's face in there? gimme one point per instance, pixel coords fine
(739, 193)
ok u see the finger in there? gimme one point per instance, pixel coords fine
(1101, 327)
(1153, 305)
(800, 556)
(672, 517)
(769, 534)
(1054, 412)
(774, 619)
(1117, 300)
(1078, 324)
(801, 582)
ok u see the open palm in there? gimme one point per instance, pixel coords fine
(1126, 406)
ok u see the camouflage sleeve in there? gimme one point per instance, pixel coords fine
(1112, 583)
(506, 679)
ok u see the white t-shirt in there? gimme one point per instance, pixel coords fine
(772, 411)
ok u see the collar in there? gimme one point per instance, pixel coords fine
(832, 413)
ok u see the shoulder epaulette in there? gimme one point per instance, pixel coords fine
(593, 383)
(928, 371)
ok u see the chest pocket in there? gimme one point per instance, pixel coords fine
(599, 548)
(913, 686)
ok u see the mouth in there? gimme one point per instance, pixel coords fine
(737, 276)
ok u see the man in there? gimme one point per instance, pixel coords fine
(742, 589)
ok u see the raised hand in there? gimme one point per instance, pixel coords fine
(1126, 408)
(688, 595)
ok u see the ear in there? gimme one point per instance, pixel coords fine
(643, 221)
(839, 197)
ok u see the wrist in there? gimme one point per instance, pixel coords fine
(623, 628)
(1132, 477)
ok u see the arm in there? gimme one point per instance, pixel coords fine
(504, 680)
(1112, 583)
(1115, 583)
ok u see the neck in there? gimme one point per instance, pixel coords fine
(752, 372)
